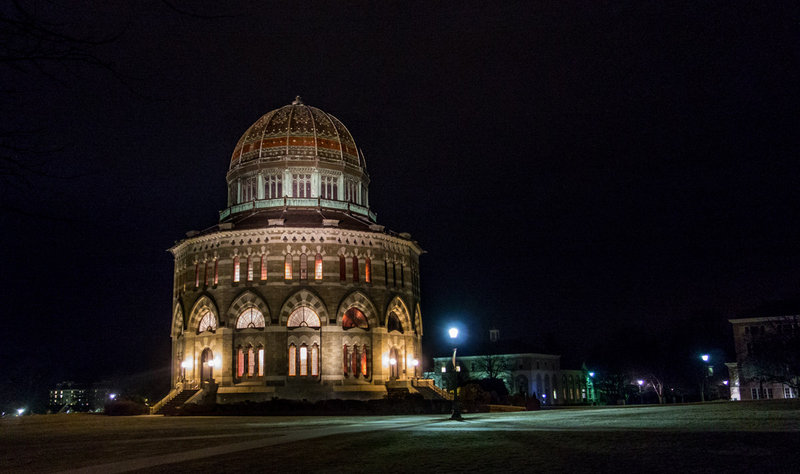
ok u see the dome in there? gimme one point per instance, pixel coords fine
(297, 158)
(297, 132)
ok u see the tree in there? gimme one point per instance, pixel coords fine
(773, 354)
(493, 367)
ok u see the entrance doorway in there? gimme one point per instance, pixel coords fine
(206, 365)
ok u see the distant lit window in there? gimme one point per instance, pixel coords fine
(239, 362)
(197, 275)
(273, 187)
(235, 269)
(364, 370)
(314, 360)
(342, 268)
(249, 268)
(205, 274)
(368, 271)
(250, 318)
(318, 267)
(260, 361)
(354, 318)
(251, 361)
(287, 267)
(303, 317)
(301, 185)
(393, 323)
(216, 271)
(263, 267)
(207, 322)
(303, 266)
(292, 360)
(303, 360)
(355, 269)
(329, 188)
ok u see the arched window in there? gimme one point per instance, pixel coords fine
(342, 268)
(355, 360)
(205, 274)
(260, 361)
(207, 322)
(287, 267)
(303, 360)
(303, 317)
(249, 268)
(314, 360)
(263, 267)
(251, 361)
(240, 362)
(345, 360)
(292, 361)
(364, 370)
(368, 271)
(236, 269)
(250, 318)
(354, 318)
(355, 269)
(393, 323)
(318, 267)
(303, 266)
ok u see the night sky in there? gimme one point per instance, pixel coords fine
(578, 172)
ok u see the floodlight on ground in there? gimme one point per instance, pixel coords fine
(453, 333)
(705, 357)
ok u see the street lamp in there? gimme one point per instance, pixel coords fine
(456, 415)
(706, 370)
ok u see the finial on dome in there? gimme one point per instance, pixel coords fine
(297, 101)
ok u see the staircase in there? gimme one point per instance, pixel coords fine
(429, 390)
(171, 405)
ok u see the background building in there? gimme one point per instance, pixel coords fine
(297, 292)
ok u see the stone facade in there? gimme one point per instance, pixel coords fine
(300, 295)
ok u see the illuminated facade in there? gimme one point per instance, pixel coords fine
(296, 292)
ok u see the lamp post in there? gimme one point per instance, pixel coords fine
(456, 415)
(706, 369)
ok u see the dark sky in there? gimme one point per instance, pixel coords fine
(575, 170)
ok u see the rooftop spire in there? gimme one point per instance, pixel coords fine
(297, 101)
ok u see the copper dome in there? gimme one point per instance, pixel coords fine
(297, 132)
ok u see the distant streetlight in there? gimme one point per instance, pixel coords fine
(456, 415)
(706, 371)
(591, 374)
(20, 411)
(640, 382)
(704, 357)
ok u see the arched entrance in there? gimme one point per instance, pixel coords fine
(522, 385)
(394, 368)
(206, 365)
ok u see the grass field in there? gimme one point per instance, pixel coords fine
(715, 437)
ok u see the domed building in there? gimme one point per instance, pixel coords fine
(296, 292)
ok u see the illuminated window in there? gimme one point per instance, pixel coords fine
(273, 187)
(329, 188)
(249, 268)
(235, 269)
(368, 271)
(355, 269)
(263, 267)
(303, 317)
(314, 360)
(287, 267)
(197, 274)
(303, 266)
(318, 267)
(251, 362)
(250, 318)
(240, 362)
(260, 361)
(393, 323)
(354, 318)
(364, 362)
(301, 185)
(249, 192)
(303, 360)
(205, 274)
(342, 268)
(345, 359)
(292, 361)
(207, 322)
(216, 272)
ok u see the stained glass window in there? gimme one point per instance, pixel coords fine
(251, 362)
(303, 360)
(240, 362)
(250, 318)
(303, 317)
(287, 267)
(314, 360)
(355, 269)
(235, 269)
(260, 361)
(263, 267)
(207, 322)
(318, 267)
(354, 318)
(292, 360)
(368, 271)
(364, 362)
(303, 266)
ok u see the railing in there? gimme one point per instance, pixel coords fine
(297, 202)
(172, 394)
(428, 383)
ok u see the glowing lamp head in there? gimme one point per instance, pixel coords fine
(415, 362)
(20, 411)
(444, 369)
(591, 374)
(112, 396)
(724, 382)
(453, 332)
(705, 357)
(640, 382)
(186, 364)
(392, 361)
